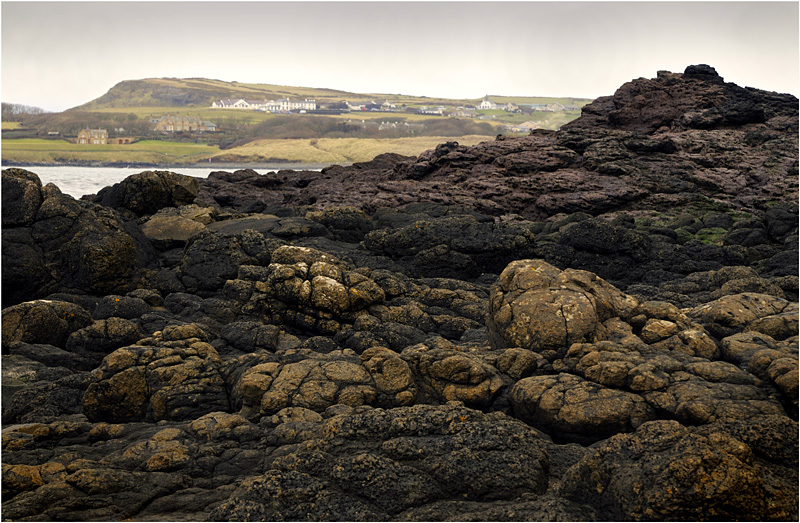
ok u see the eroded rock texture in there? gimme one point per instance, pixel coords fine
(599, 323)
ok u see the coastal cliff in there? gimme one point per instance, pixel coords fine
(595, 323)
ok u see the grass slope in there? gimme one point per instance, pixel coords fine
(315, 151)
(336, 150)
(38, 151)
(201, 92)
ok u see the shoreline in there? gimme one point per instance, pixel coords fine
(273, 166)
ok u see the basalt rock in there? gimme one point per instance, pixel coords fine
(375, 464)
(667, 471)
(43, 321)
(338, 345)
(538, 307)
(663, 143)
(173, 376)
(52, 242)
(147, 192)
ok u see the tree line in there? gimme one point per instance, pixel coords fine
(14, 112)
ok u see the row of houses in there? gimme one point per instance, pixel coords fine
(488, 104)
(98, 137)
(284, 105)
(168, 124)
(177, 124)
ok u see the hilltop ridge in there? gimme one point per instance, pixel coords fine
(201, 92)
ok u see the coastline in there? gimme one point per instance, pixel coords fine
(276, 166)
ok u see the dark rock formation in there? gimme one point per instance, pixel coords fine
(54, 243)
(147, 192)
(401, 340)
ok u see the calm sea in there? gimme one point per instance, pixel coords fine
(78, 181)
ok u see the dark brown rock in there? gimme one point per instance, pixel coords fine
(147, 192)
(667, 471)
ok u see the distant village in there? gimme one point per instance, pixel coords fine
(182, 124)
(287, 106)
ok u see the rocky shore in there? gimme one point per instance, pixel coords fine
(598, 323)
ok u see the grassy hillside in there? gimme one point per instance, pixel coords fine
(253, 136)
(201, 92)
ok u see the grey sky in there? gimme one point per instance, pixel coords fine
(58, 55)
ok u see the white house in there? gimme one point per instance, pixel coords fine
(271, 106)
(487, 104)
(285, 105)
(229, 103)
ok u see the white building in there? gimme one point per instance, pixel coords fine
(487, 104)
(272, 106)
(285, 105)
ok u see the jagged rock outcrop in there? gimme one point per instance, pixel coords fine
(656, 144)
(149, 191)
(53, 243)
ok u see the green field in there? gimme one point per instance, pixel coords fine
(336, 150)
(60, 151)
(316, 151)
(11, 125)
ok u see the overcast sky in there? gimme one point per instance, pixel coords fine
(57, 55)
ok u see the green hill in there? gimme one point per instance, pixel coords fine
(128, 108)
(201, 92)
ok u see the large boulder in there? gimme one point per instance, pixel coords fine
(174, 375)
(731, 314)
(305, 288)
(538, 307)
(572, 409)
(43, 321)
(147, 192)
(53, 243)
(210, 259)
(665, 471)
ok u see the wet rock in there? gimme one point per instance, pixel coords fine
(126, 307)
(453, 247)
(46, 400)
(406, 457)
(345, 223)
(22, 197)
(102, 337)
(211, 259)
(251, 336)
(70, 245)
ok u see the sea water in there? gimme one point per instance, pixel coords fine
(79, 181)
